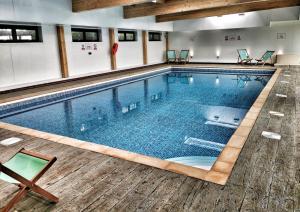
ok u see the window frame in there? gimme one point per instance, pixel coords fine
(151, 38)
(125, 32)
(84, 31)
(15, 27)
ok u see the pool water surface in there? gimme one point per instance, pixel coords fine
(185, 117)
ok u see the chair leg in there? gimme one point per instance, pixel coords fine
(45, 194)
(16, 199)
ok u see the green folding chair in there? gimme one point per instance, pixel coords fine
(184, 56)
(267, 56)
(244, 57)
(171, 56)
(24, 169)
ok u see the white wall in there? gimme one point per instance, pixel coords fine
(35, 62)
(80, 62)
(22, 63)
(206, 44)
(30, 62)
(156, 50)
(236, 21)
(130, 54)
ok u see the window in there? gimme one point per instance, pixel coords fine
(86, 35)
(127, 35)
(20, 33)
(26, 34)
(154, 36)
(5, 34)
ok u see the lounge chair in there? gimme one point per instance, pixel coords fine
(243, 56)
(171, 56)
(184, 56)
(24, 169)
(267, 56)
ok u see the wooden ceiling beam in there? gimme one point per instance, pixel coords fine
(83, 5)
(234, 9)
(175, 6)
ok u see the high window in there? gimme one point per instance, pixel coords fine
(86, 35)
(127, 35)
(20, 33)
(154, 36)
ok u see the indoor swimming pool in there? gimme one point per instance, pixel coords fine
(181, 115)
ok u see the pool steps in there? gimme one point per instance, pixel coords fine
(202, 162)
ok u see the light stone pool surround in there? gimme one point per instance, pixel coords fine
(220, 171)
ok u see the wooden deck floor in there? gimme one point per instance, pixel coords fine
(266, 176)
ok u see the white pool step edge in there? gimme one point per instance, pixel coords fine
(202, 162)
(204, 144)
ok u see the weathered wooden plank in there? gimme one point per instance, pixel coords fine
(115, 195)
(178, 8)
(258, 191)
(226, 9)
(101, 186)
(282, 195)
(231, 198)
(83, 5)
(181, 199)
(7, 193)
(140, 192)
(206, 197)
(248, 159)
(161, 194)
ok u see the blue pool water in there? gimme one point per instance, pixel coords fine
(175, 116)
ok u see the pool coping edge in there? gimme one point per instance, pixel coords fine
(221, 169)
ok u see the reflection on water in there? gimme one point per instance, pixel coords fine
(131, 107)
(242, 80)
(262, 80)
(184, 78)
(227, 116)
(156, 97)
